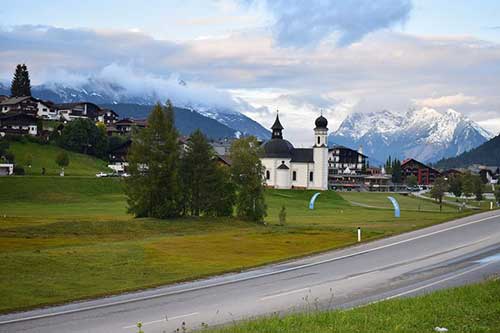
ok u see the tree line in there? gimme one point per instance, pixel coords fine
(167, 182)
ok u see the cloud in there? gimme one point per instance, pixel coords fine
(445, 101)
(306, 23)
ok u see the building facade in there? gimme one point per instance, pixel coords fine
(287, 167)
(424, 173)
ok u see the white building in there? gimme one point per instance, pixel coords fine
(287, 167)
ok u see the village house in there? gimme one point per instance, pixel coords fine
(30, 105)
(107, 117)
(19, 123)
(425, 174)
(70, 111)
(125, 125)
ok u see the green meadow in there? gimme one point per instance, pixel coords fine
(67, 238)
(471, 309)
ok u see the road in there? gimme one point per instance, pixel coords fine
(440, 256)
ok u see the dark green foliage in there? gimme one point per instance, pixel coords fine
(83, 136)
(21, 84)
(5, 154)
(206, 188)
(467, 184)
(478, 188)
(438, 190)
(412, 180)
(247, 173)
(487, 154)
(396, 171)
(115, 141)
(62, 159)
(388, 165)
(282, 216)
(455, 185)
(18, 170)
(153, 188)
(497, 194)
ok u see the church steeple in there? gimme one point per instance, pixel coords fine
(277, 128)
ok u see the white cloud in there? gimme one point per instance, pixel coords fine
(445, 101)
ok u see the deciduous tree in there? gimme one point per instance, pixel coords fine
(455, 185)
(438, 190)
(62, 159)
(248, 175)
(83, 136)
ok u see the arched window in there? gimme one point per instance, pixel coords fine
(268, 175)
(311, 176)
(319, 140)
(294, 175)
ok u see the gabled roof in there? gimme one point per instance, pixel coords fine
(74, 104)
(347, 148)
(15, 100)
(303, 155)
(408, 160)
(283, 167)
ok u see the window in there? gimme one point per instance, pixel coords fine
(268, 175)
(318, 140)
(311, 176)
(294, 176)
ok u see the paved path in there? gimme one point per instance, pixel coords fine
(440, 256)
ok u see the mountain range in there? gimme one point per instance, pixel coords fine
(425, 134)
(486, 154)
(214, 121)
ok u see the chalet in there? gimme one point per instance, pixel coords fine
(124, 126)
(70, 111)
(6, 169)
(425, 174)
(118, 157)
(30, 105)
(346, 168)
(19, 124)
(107, 116)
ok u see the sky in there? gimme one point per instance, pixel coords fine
(301, 57)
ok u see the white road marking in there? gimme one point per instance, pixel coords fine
(437, 282)
(284, 294)
(168, 293)
(163, 320)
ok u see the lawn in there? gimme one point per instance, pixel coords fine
(471, 309)
(66, 238)
(44, 156)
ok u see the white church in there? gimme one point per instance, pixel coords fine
(287, 167)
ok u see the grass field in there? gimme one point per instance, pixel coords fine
(66, 238)
(471, 309)
(44, 156)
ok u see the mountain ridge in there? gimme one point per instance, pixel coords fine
(425, 134)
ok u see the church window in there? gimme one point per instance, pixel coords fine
(294, 175)
(311, 176)
(318, 140)
(268, 175)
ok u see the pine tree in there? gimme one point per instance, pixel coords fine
(21, 83)
(26, 82)
(396, 171)
(17, 81)
(153, 188)
(247, 173)
(198, 169)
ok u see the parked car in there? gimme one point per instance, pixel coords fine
(101, 174)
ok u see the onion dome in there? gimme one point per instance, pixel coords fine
(321, 122)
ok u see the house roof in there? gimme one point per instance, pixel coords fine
(408, 160)
(130, 121)
(74, 104)
(15, 100)
(303, 155)
(225, 159)
(344, 147)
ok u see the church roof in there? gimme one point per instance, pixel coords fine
(303, 155)
(283, 167)
(277, 125)
(321, 122)
(278, 148)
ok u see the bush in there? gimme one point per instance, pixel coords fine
(18, 170)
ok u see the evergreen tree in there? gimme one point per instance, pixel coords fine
(396, 172)
(153, 188)
(198, 172)
(21, 83)
(456, 186)
(222, 198)
(412, 181)
(388, 165)
(247, 173)
(478, 188)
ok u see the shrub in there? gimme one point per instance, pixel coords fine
(18, 170)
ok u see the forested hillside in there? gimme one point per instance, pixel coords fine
(487, 154)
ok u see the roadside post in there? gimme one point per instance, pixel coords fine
(491, 205)
(359, 234)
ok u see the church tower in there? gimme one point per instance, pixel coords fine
(319, 179)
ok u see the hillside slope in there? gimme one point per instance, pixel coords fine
(487, 154)
(43, 156)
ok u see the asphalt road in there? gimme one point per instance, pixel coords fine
(441, 256)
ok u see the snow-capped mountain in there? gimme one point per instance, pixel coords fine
(425, 134)
(104, 92)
